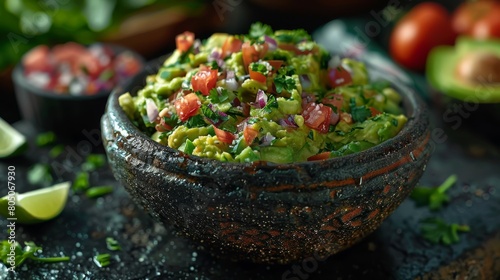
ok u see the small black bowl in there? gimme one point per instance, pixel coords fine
(68, 116)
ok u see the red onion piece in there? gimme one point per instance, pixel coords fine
(288, 122)
(305, 81)
(151, 109)
(267, 139)
(270, 42)
(261, 99)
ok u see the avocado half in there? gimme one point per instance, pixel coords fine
(442, 63)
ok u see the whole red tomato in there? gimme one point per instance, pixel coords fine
(468, 13)
(489, 26)
(425, 26)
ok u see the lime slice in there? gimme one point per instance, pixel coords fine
(35, 206)
(11, 141)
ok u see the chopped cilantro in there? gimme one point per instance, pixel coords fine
(213, 116)
(283, 82)
(271, 103)
(259, 29)
(436, 230)
(259, 67)
(21, 255)
(359, 113)
(394, 122)
(219, 95)
(433, 197)
(195, 121)
(171, 120)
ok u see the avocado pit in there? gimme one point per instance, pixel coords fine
(479, 68)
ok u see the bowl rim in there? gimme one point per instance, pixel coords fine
(20, 80)
(414, 109)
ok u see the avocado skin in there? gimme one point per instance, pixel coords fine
(441, 71)
(262, 212)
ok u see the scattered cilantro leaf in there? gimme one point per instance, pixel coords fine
(292, 36)
(45, 139)
(22, 255)
(214, 116)
(359, 113)
(195, 121)
(433, 197)
(112, 244)
(171, 120)
(436, 231)
(219, 95)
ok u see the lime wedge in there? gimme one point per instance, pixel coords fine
(11, 141)
(35, 206)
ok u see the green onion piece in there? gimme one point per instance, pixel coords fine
(81, 182)
(102, 260)
(98, 191)
(112, 244)
(56, 151)
(46, 138)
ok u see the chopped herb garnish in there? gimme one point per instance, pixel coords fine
(102, 260)
(359, 113)
(95, 192)
(271, 103)
(112, 244)
(195, 121)
(106, 75)
(45, 139)
(213, 115)
(171, 120)
(214, 65)
(219, 95)
(81, 181)
(292, 36)
(39, 174)
(21, 254)
(56, 151)
(93, 162)
(436, 230)
(394, 122)
(433, 197)
(259, 29)
(260, 67)
(283, 82)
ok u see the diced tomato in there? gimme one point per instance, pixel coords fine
(276, 64)
(67, 53)
(204, 81)
(87, 63)
(224, 136)
(249, 134)
(336, 100)
(320, 156)
(187, 106)
(257, 76)
(252, 53)
(37, 59)
(339, 76)
(231, 45)
(374, 111)
(184, 41)
(317, 116)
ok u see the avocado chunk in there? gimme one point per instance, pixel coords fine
(468, 71)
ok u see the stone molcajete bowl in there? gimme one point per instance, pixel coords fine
(267, 213)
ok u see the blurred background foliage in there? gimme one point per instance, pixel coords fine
(27, 23)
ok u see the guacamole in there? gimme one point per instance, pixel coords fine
(274, 96)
